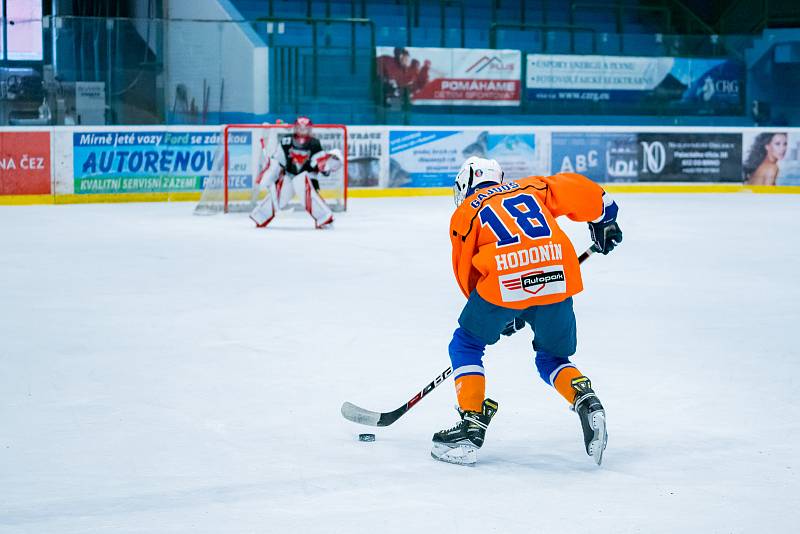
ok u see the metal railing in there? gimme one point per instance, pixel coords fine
(691, 23)
(618, 9)
(543, 28)
(443, 5)
(295, 69)
(752, 16)
(315, 22)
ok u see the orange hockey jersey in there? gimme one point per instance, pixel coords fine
(507, 244)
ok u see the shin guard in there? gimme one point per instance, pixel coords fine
(312, 201)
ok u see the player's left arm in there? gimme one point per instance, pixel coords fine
(572, 195)
(582, 200)
(604, 230)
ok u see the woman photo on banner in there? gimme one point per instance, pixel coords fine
(761, 165)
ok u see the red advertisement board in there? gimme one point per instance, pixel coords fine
(449, 76)
(25, 163)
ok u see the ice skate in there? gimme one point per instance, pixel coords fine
(592, 416)
(459, 445)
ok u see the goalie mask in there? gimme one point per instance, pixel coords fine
(302, 130)
(473, 172)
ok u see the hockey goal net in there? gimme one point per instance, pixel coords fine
(233, 184)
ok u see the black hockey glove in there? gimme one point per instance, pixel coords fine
(513, 326)
(605, 231)
(606, 236)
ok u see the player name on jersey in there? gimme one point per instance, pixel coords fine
(486, 193)
(529, 256)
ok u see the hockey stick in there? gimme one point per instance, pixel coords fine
(586, 253)
(356, 414)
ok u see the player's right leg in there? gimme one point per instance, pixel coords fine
(555, 340)
(312, 201)
(265, 210)
(460, 444)
(480, 324)
(284, 189)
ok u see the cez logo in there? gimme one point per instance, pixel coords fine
(654, 156)
(491, 63)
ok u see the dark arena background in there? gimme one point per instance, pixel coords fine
(174, 360)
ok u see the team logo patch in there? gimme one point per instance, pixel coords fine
(548, 280)
(299, 157)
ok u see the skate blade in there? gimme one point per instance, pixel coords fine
(460, 454)
(598, 445)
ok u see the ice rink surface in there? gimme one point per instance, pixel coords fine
(164, 373)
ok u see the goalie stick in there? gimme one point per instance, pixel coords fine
(357, 414)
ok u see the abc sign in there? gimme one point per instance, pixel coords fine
(654, 156)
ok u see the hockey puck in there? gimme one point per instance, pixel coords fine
(366, 437)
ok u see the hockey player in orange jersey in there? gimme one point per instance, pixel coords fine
(516, 266)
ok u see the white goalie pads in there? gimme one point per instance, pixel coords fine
(280, 194)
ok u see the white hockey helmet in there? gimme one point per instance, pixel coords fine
(474, 172)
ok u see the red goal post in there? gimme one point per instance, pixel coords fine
(233, 186)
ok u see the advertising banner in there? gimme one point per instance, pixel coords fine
(25, 163)
(603, 157)
(771, 157)
(689, 157)
(450, 76)
(367, 160)
(145, 161)
(431, 158)
(648, 157)
(663, 83)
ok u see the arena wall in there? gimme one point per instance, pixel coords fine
(170, 163)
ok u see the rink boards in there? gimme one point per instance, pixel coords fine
(65, 164)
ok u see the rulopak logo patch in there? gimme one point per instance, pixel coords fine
(548, 280)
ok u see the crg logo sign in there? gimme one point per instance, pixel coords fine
(654, 156)
(712, 87)
(491, 63)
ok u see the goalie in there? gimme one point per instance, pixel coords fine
(292, 169)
